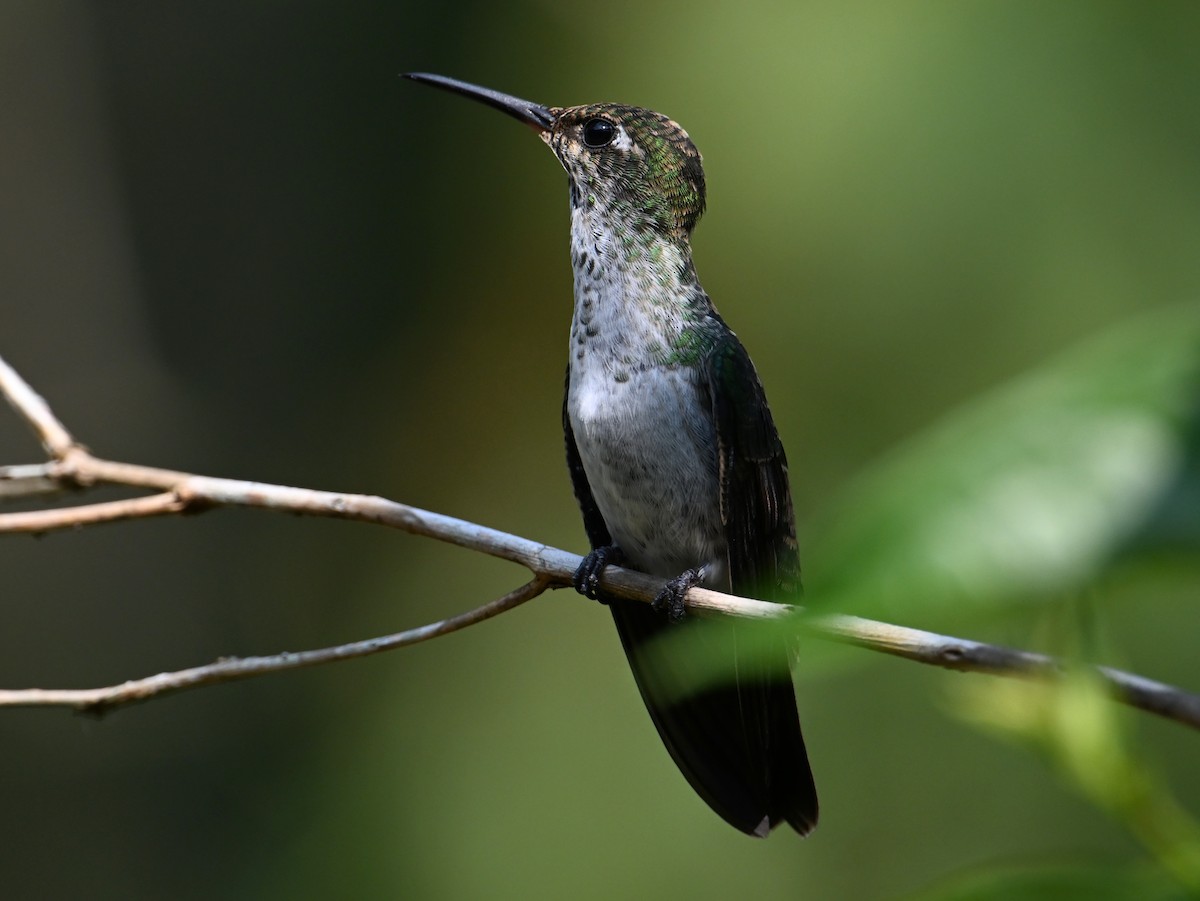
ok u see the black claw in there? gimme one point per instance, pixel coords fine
(587, 577)
(671, 597)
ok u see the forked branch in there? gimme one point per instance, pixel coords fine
(71, 466)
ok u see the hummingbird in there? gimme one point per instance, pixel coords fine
(675, 460)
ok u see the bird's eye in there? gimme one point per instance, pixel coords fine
(598, 133)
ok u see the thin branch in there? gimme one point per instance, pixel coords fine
(965, 655)
(29, 480)
(229, 669)
(40, 521)
(72, 466)
(182, 492)
(34, 410)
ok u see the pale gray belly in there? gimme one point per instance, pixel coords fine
(649, 452)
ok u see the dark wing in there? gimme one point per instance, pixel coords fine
(756, 509)
(756, 501)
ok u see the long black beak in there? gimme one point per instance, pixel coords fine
(532, 114)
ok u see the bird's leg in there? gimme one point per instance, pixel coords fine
(587, 577)
(671, 597)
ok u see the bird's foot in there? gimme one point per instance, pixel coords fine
(671, 597)
(587, 577)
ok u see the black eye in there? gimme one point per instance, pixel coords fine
(598, 133)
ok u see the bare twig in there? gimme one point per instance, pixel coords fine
(71, 466)
(29, 404)
(28, 480)
(965, 655)
(39, 521)
(180, 491)
(229, 669)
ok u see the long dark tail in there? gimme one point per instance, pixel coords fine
(738, 743)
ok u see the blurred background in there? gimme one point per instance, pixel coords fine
(233, 242)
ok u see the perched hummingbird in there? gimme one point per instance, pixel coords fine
(675, 459)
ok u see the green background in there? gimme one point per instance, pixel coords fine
(232, 241)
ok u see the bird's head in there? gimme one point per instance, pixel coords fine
(631, 162)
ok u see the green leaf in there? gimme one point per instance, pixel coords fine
(1032, 491)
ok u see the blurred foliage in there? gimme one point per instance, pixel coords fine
(234, 241)
(1076, 726)
(1034, 491)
